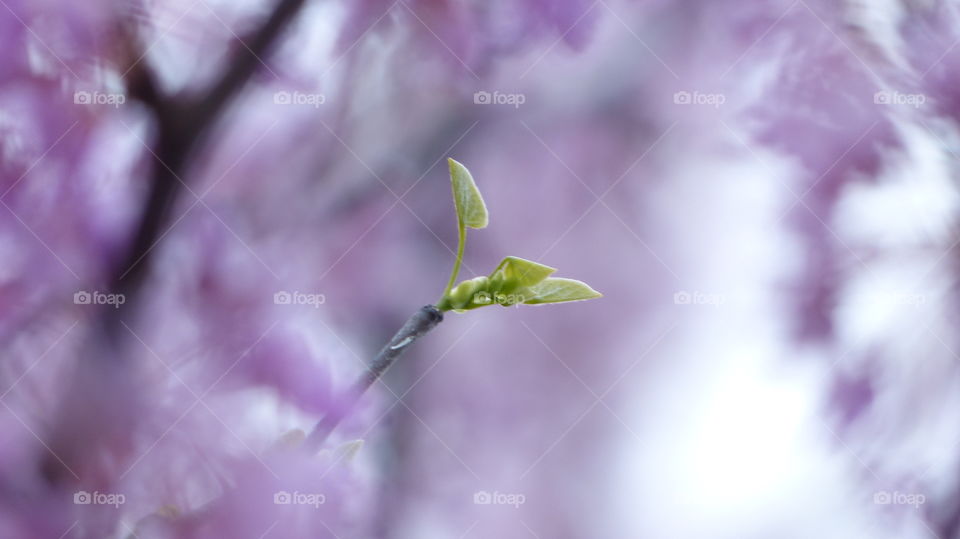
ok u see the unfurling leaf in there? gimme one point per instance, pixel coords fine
(515, 273)
(465, 293)
(471, 211)
(556, 290)
(515, 281)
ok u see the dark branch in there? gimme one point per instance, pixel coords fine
(249, 57)
(181, 127)
(418, 325)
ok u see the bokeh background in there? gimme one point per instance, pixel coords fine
(765, 192)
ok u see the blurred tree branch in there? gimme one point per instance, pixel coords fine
(182, 123)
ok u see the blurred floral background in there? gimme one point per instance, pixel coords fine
(214, 214)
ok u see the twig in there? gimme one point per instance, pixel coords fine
(418, 325)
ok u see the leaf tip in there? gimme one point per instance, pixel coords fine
(557, 290)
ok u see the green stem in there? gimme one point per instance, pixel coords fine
(461, 243)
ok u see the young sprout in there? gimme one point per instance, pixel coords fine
(515, 280)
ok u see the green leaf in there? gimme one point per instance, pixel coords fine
(556, 290)
(471, 211)
(515, 273)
